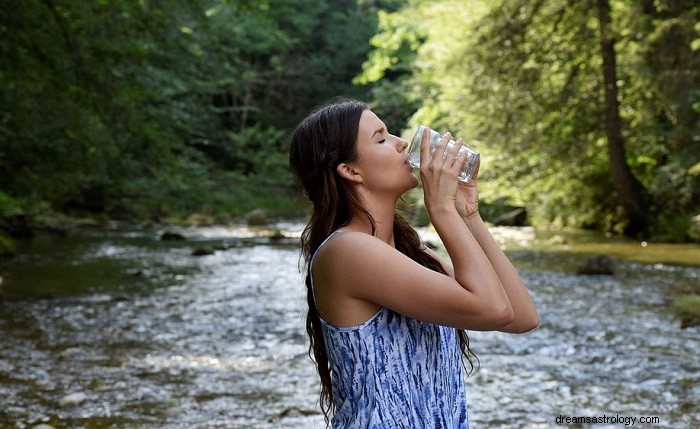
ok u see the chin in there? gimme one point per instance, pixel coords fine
(414, 182)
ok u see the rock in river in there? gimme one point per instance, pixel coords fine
(597, 264)
(72, 399)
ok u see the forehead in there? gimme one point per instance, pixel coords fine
(369, 123)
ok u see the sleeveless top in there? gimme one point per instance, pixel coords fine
(395, 372)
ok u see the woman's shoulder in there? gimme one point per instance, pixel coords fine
(351, 244)
(347, 254)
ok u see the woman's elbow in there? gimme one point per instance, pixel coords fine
(523, 324)
(504, 316)
(535, 321)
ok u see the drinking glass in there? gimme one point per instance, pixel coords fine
(467, 170)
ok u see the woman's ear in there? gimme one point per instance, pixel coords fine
(347, 171)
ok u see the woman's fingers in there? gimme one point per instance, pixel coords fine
(445, 157)
(460, 153)
(425, 147)
(441, 148)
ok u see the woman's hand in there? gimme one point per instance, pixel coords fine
(467, 201)
(439, 172)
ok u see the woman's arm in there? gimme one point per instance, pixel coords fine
(472, 267)
(525, 315)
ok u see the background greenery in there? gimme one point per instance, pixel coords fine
(153, 110)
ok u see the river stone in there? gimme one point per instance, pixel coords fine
(290, 412)
(597, 264)
(203, 251)
(172, 236)
(43, 426)
(72, 399)
(256, 217)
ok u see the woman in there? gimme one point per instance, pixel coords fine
(386, 314)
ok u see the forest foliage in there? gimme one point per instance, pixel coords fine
(138, 109)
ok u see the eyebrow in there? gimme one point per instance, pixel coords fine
(378, 131)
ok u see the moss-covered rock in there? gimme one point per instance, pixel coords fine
(687, 308)
(257, 217)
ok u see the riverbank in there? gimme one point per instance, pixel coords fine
(586, 243)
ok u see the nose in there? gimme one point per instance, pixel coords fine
(402, 144)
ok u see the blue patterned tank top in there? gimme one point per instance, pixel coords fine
(393, 371)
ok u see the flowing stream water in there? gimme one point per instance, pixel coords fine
(115, 328)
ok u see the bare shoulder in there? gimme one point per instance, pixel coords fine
(346, 253)
(336, 280)
(349, 252)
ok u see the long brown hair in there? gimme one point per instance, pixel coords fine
(323, 140)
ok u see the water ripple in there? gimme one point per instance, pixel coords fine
(159, 338)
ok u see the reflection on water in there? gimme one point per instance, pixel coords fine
(155, 337)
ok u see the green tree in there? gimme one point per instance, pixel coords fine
(140, 108)
(632, 194)
(525, 79)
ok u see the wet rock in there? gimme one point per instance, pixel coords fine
(597, 264)
(687, 308)
(517, 217)
(69, 352)
(225, 245)
(203, 251)
(277, 236)
(256, 217)
(171, 236)
(689, 321)
(135, 273)
(290, 412)
(73, 399)
(43, 426)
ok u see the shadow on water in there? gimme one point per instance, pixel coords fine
(116, 328)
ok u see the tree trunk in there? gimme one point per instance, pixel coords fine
(631, 193)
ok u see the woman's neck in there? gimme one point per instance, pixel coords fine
(383, 216)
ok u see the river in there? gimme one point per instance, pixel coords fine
(115, 328)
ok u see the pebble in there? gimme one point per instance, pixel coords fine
(72, 399)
